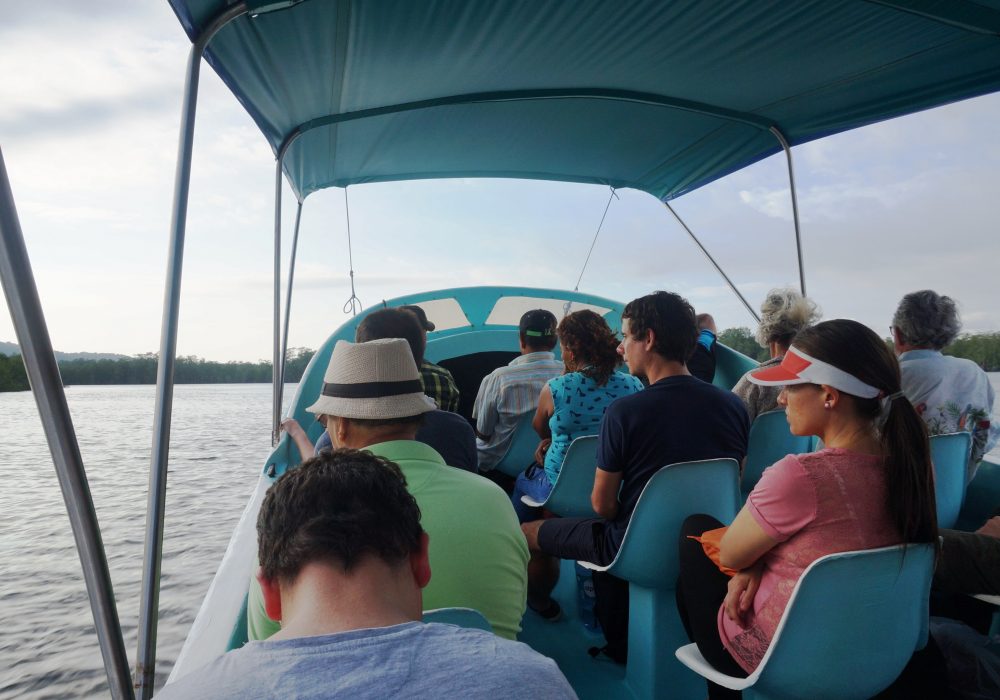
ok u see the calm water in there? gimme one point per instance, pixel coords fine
(220, 438)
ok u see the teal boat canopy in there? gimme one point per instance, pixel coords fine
(655, 95)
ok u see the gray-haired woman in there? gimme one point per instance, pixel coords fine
(784, 313)
(950, 394)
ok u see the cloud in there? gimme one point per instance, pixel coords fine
(92, 97)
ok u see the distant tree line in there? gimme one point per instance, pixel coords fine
(12, 374)
(981, 348)
(141, 369)
(743, 340)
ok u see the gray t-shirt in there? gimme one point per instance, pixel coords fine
(412, 660)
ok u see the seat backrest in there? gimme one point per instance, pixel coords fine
(461, 617)
(950, 456)
(570, 496)
(981, 495)
(730, 366)
(851, 625)
(521, 451)
(770, 440)
(648, 555)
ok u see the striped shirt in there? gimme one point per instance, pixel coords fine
(504, 396)
(440, 386)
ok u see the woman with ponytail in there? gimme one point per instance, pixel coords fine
(871, 486)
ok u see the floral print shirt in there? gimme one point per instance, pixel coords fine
(951, 395)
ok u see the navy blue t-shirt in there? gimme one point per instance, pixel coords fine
(678, 419)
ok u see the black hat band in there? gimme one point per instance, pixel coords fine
(373, 390)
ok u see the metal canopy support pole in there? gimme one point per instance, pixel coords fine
(277, 361)
(288, 304)
(795, 206)
(46, 385)
(712, 260)
(153, 551)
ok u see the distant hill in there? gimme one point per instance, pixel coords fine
(13, 349)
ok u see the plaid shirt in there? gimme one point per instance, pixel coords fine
(506, 394)
(440, 386)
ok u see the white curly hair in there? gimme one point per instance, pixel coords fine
(783, 314)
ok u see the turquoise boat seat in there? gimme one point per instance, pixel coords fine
(521, 452)
(730, 366)
(648, 560)
(240, 634)
(982, 496)
(570, 495)
(770, 440)
(851, 625)
(950, 456)
(460, 617)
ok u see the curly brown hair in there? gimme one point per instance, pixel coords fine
(593, 344)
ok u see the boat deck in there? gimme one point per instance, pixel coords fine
(567, 641)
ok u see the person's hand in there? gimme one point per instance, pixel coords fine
(540, 451)
(742, 590)
(991, 528)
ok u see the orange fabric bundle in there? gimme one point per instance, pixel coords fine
(710, 543)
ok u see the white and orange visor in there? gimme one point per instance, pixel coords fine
(798, 368)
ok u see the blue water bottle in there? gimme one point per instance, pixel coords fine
(585, 599)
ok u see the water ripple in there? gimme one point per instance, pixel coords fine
(219, 439)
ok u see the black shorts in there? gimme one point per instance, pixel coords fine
(583, 539)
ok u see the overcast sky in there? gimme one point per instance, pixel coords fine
(89, 110)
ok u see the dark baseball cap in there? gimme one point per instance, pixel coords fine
(421, 316)
(538, 323)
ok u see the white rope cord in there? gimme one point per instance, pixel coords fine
(353, 305)
(597, 233)
(614, 195)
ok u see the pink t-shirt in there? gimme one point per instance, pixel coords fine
(813, 505)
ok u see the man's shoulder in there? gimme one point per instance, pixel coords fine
(695, 390)
(446, 420)
(680, 394)
(472, 487)
(433, 368)
(491, 662)
(939, 367)
(625, 404)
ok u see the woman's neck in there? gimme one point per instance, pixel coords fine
(850, 435)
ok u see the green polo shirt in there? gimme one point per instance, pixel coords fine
(479, 558)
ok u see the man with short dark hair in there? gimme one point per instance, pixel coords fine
(508, 392)
(438, 382)
(677, 418)
(343, 561)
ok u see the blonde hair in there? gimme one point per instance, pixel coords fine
(783, 314)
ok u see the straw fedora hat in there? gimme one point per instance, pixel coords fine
(377, 380)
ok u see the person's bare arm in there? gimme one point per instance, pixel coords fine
(542, 448)
(543, 413)
(744, 542)
(991, 528)
(299, 437)
(604, 497)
